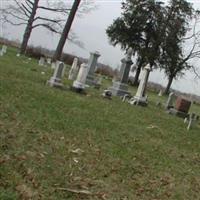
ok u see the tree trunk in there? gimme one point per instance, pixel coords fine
(63, 38)
(136, 79)
(29, 28)
(167, 89)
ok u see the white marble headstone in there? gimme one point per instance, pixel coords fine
(41, 61)
(74, 70)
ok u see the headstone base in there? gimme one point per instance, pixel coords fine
(91, 80)
(78, 86)
(177, 113)
(55, 82)
(119, 89)
(141, 101)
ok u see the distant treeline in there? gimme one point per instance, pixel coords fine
(38, 51)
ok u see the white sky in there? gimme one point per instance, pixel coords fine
(91, 31)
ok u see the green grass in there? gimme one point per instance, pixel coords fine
(128, 152)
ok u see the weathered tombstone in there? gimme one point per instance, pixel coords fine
(4, 49)
(79, 84)
(18, 55)
(74, 70)
(55, 80)
(182, 105)
(120, 87)
(170, 101)
(181, 108)
(49, 61)
(141, 98)
(98, 82)
(160, 93)
(53, 65)
(92, 63)
(1, 53)
(41, 61)
(191, 120)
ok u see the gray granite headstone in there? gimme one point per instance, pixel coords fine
(120, 86)
(92, 64)
(55, 80)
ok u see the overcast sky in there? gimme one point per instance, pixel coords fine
(91, 31)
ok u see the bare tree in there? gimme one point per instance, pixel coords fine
(66, 30)
(178, 56)
(37, 13)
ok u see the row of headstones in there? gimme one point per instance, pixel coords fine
(3, 50)
(85, 75)
(43, 61)
(120, 87)
(82, 76)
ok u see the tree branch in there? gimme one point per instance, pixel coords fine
(54, 9)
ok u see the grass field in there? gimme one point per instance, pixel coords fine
(57, 145)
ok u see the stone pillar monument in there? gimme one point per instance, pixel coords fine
(141, 98)
(120, 87)
(79, 83)
(74, 70)
(92, 63)
(55, 80)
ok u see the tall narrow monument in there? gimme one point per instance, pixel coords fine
(120, 87)
(92, 64)
(141, 98)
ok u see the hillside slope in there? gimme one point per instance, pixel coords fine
(57, 144)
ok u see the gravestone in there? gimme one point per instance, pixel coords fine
(141, 98)
(98, 82)
(120, 86)
(55, 80)
(74, 70)
(191, 120)
(4, 49)
(49, 61)
(182, 105)
(170, 101)
(92, 64)
(53, 65)
(18, 55)
(1, 53)
(41, 61)
(160, 93)
(79, 84)
(181, 108)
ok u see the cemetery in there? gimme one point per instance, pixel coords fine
(77, 129)
(98, 148)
